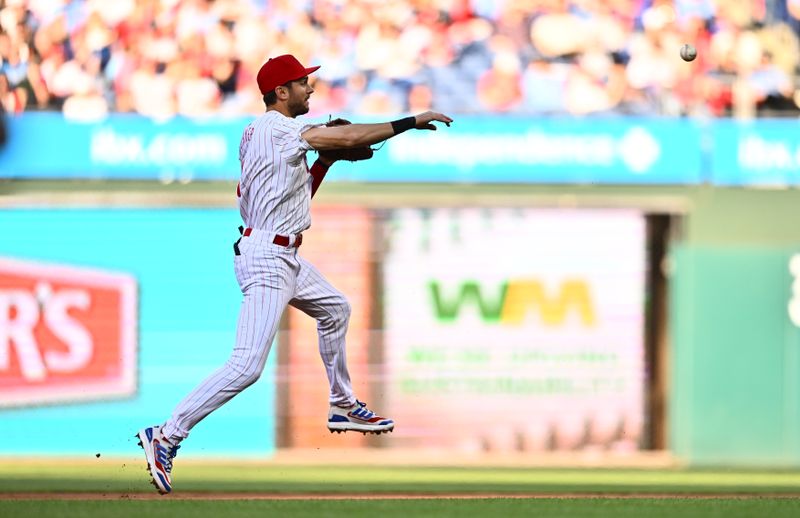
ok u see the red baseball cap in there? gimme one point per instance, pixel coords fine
(279, 70)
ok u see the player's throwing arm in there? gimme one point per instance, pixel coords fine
(324, 138)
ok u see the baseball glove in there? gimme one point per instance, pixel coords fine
(353, 154)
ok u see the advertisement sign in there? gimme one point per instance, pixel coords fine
(515, 329)
(759, 153)
(78, 289)
(66, 334)
(541, 150)
(123, 146)
(475, 149)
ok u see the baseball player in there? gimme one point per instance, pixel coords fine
(274, 194)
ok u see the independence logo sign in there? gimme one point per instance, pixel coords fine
(66, 334)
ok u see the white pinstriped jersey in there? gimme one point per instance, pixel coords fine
(275, 194)
(274, 197)
(275, 185)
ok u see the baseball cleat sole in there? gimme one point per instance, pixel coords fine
(374, 432)
(352, 427)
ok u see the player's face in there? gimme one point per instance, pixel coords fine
(299, 93)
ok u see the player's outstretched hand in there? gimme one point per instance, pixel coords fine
(425, 120)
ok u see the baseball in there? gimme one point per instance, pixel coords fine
(688, 52)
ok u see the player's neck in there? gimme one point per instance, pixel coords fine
(280, 108)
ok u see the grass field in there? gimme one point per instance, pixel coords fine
(551, 507)
(119, 488)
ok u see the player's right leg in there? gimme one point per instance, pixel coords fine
(316, 297)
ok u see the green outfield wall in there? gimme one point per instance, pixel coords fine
(735, 344)
(731, 344)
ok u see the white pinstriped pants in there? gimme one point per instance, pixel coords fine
(270, 276)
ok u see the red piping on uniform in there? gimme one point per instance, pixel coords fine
(318, 170)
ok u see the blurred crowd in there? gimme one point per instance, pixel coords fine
(197, 58)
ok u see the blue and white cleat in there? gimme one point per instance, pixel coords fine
(357, 418)
(159, 454)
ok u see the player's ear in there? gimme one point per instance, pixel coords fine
(282, 92)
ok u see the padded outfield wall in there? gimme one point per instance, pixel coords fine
(710, 373)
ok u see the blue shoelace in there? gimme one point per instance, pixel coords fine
(172, 452)
(166, 456)
(368, 414)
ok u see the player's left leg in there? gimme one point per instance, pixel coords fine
(267, 279)
(316, 297)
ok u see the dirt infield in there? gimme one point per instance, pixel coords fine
(386, 496)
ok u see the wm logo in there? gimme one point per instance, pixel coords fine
(513, 300)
